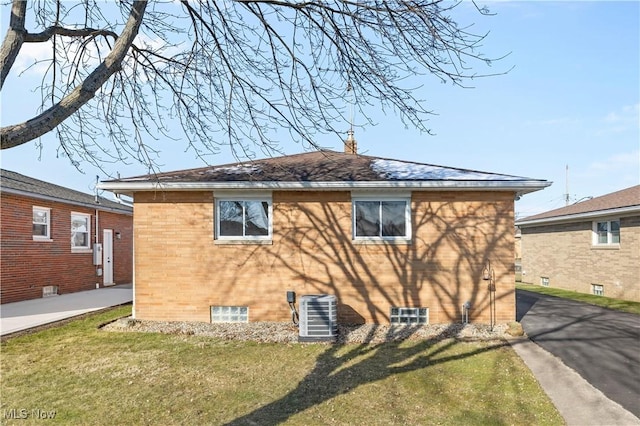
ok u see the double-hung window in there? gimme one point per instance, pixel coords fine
(606, 233)
(382, 218)
(80, 231)
(41, 223)
(244, 219)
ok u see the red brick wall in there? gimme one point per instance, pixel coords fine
(181, 271)
(27, 265)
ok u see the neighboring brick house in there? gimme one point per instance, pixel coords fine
(589, 247)
(378, 234)
(48, 237)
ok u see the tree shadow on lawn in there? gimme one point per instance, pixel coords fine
(335, 373)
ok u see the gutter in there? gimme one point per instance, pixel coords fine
(520, 187)
(577, 216)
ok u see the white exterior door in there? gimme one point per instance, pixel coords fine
(107, 259)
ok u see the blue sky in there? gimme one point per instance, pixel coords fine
(572, 99)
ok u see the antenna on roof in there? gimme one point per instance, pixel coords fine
(350, 144)
(97, 200)
(566, 194)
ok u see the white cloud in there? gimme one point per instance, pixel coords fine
(558, 121)
(33, 58)
(625, 118)
(618, 162)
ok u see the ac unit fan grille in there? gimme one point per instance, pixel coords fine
(318, 318)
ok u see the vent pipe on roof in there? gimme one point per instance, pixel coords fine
(350, 144)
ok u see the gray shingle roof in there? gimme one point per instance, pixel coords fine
(628, 198)
(322, 166)
(12, 182)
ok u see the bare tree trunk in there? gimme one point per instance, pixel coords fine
(14, 38)
(18, 134)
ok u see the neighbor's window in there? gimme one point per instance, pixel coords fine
(606, 232)
(387, 219)
(544, 281)
(41, 223)
(80, 231)
(229, 314)
(597, 289)
(243, 219)
(409, 315)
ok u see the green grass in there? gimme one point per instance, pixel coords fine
(606, 302)
(89, 376)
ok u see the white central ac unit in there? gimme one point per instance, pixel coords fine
(318, 318)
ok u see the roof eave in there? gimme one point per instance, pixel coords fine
(520, 187)
(124, 210)
(620, 211)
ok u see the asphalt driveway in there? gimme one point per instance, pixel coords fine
(601, 345)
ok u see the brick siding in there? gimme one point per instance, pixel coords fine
(27, 266)
(181, 271)
(564, 254)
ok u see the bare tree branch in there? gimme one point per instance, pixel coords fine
(18, 134)
(67, 32)
(233, 74)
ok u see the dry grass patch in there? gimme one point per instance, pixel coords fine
(89, 376)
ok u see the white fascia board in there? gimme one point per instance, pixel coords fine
(520, 187)
(622, 211)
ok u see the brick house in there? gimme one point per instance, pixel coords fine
(49, 235)
(378, 234)
(589, 247)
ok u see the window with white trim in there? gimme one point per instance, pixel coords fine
(80, 231)
(606, 232)
(243, 219)
(409, 315)
(381, 218)
(41, 229)
(544, 281)
(597, 289)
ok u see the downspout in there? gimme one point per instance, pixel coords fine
(97, 234)
(97, 201)
(97, 237)
(95, 248)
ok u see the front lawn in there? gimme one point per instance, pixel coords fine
(84, 375)
(605, 302)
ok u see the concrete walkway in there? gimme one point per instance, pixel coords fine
(579, 403)
(20, 316)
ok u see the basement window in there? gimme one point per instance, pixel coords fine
(409, 315)
(49, 290)
(544, 281)
(597, 289)
(229, 314)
